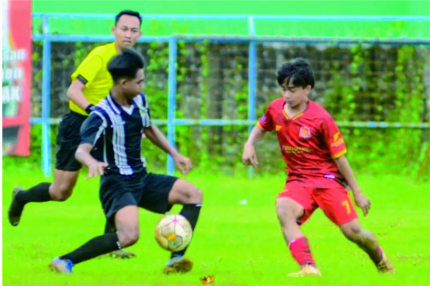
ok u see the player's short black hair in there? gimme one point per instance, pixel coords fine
(129, 13)
(125, 65)
(297, 71)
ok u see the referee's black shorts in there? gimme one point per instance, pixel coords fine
(145, 190)
(68, 140)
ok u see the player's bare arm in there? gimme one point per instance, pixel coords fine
(83, 155)
(158, 139)
(360, 199)
(74, 93)
(249, 156)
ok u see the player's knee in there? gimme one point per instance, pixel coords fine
(285, 217)
(61, 192)
(128, 237)
(192, 195)
(196, 195)
(352, 231)
(287, 212)
(187, 194)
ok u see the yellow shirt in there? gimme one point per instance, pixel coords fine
(94, 74)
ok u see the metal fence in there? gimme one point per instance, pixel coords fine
(252, 40)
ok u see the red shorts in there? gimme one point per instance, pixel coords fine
(327, 194)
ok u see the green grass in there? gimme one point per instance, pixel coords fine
(238, 244)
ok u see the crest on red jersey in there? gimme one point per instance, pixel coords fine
(305, 132)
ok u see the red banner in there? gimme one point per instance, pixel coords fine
(16, 64)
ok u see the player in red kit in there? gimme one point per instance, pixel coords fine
(318, 172)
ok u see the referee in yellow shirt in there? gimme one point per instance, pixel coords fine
(91, 82)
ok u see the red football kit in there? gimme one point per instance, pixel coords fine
(309, 143)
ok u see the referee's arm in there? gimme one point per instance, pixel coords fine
(84, 75)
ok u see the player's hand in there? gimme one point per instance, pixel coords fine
(96, 169)
(182, 163)
(362, 202)
(249, 157)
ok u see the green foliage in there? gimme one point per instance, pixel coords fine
(398, 95)
(354, 83)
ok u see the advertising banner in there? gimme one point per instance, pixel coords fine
(16, 76)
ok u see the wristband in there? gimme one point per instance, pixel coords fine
(89, 108)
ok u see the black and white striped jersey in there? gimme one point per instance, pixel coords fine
(116, 134)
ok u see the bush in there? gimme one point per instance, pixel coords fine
(355, 83)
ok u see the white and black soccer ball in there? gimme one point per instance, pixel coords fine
(173, 232)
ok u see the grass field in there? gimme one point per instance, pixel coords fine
(238, 244)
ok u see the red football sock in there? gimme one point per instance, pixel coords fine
(301, 251)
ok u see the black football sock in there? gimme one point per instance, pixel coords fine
(37, 194)
(97, 246)
(191, 212)
(109, 227)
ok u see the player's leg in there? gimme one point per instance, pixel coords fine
(186, 194)
(121, 253)
(161, 193)
(294, 206)
(109, 186)
(367, 241)
(126, 222)
(120, 207)
(337, 206)
(66, 171)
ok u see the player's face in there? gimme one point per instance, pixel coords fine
(294, 95)
(134, 86)
(126, 31)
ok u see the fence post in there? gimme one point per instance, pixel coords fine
(252, 81)
(171, 101)
(46, 105)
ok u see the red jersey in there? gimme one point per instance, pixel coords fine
(309, 141)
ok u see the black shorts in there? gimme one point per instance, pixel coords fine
(68, 140)
(146, 190)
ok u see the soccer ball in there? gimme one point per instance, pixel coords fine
(173, 232)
